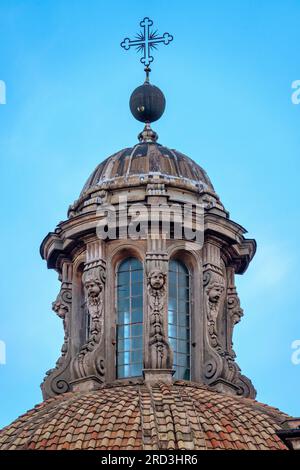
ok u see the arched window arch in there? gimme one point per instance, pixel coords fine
(129, 307)
(179, 318)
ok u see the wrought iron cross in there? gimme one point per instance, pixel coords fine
(146, 40)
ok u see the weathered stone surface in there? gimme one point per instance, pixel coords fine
(157, 179)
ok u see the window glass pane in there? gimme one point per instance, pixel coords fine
(121, 371)
(179, 318)
(129, 306)
(123, 307)
(135, 264)
(136, 342)
(173, 266)
(125, 265)
(173, 343)
(182, 359)
(136, 330)
(123, 331)
(175, 356)
(124, 357)
(137, 302)
(124, 317)
(172, 303)
(123, 278)
(182, 333)
(183, 373)
(172, 329)
(136, 370)
(181, 269)
(123, 291)
(182, 307)
(172, 289)
(137, 316)
(172, 316)
(136, 355)
(136, 276)
(136, 288)
(183, 292)
(183, 347)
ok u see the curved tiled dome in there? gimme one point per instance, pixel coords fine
(179, 416)
(146, 158)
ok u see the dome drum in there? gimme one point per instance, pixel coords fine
(84, 260)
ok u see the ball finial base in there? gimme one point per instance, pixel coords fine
(148, 135)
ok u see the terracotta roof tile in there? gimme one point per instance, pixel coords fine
(179, 416)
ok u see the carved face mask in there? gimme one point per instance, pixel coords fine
(93, 289)
(157, 279)
(59, 309)
(215, 293)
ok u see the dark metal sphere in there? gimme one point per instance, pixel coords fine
(147, 103)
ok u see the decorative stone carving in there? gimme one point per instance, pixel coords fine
(208, 201)
(92, 197)
(156, 189)
(57, 379)
(234, 310)
(160, 356)
(61, 307)
(222, 311)
(214, 287)
(89, 361)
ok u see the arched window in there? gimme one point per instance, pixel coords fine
(129, 298)
(179, 318)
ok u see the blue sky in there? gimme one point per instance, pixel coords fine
(227, 78)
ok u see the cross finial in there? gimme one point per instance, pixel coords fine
(145, 41)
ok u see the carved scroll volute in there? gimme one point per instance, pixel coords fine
(222, 312)
(214, 296)
(234, 310)
(62, 307)
(157, 351)
(90, 359)
(57, 379)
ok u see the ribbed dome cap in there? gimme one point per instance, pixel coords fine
(146, 158)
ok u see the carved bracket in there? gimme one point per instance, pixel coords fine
(57, 379)
(90, 359)
(222, 311)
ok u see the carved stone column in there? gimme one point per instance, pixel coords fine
(89, 364)
(57, 379)
(158, 356)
